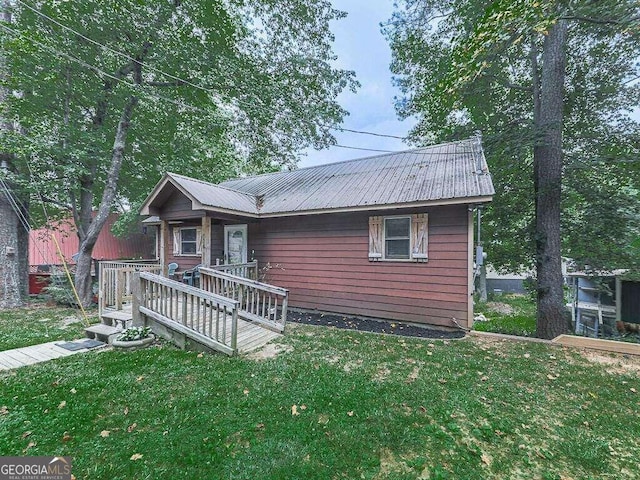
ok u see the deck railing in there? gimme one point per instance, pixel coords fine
(246, 270)
(115, 282)
(207, 318)
(258, 302)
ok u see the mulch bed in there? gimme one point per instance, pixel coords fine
(371, 325)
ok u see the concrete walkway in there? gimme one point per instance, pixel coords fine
(19, 357)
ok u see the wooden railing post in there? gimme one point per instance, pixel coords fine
(285, 302)
(136, 293)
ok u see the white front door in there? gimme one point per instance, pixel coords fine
(235, 243)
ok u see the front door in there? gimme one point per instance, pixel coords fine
(235, 243)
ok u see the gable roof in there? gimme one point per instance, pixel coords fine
(453, 172)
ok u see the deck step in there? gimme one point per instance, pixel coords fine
(102, 332)
(117, 318)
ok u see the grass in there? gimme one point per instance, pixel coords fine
(39, 324)
(366, 406)
(508, 314)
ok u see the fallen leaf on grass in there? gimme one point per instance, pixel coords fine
(260, 426)
(200, 355)
(4, 410)
(303, 407)
(526, 355)
(66, 437)
(245, 391)
(442, 380)
(26, 434)
(31, 444)
(73, 390)
(350, 413)
(104, 433)
(136, 456)
(294, 410)
(633, 390)
(126, 410)
(140, 378)
(323, 419)
(132, 427)
(63, 403)
(486, 459)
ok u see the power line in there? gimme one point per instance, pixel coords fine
(134, 86)
(180, 79)
(364, 132)
(365, 149)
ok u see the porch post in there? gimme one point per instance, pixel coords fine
(164, 235)
(206, 241)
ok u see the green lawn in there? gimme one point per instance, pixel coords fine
(338, 404)
(508, 314)
(39, 324)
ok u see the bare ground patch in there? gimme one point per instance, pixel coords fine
(271, 350)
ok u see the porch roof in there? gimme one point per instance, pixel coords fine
(449, 173)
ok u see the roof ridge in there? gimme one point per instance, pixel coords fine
(204, 182)
(399, 152)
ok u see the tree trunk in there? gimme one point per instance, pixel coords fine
(547, 160)
(11, 248)
(83, 267)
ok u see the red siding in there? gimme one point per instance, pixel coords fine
(42, 249)
(323, 261)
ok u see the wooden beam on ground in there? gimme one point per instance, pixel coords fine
(611, 346)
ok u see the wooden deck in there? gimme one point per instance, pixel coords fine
(250, 335)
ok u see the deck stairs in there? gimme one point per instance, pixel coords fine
(112, 322)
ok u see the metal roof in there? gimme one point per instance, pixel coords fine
(453, 172)
(450, 171)
(219, 196)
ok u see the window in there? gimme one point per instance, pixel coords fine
(402, 237)
(187, 240)
(397, 238)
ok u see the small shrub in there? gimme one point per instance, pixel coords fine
(134, 333)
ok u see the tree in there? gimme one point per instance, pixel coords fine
(14, 273)
(111, 98)
(551, 84)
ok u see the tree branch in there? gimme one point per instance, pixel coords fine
(600, 21)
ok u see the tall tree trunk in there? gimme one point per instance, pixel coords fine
(11, 249)
(83, 268)
(547, 160)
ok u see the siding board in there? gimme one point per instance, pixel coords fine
(323, 261)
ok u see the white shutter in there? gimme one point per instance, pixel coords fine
(176, 241)
(199, 240)
(375, 238)
(419, 236)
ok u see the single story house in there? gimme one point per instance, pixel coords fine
(388, 236)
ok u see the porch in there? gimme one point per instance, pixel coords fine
(230, 313)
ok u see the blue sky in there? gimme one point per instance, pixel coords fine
(360, 46)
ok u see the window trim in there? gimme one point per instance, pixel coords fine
(195, 242)
(384, 239)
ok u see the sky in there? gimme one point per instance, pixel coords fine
(361, 47)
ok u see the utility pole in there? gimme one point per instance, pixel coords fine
(13, 247)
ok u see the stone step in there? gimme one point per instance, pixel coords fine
(102, 332)
(117, 318)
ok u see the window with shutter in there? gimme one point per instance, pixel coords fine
(187, 241)
(402, 237)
